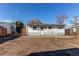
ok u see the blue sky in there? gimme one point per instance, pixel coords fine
(46, 12)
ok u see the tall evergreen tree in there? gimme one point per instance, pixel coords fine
(19, 26)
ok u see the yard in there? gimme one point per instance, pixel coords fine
(25, 45)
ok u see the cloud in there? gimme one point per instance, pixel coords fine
(7, 20)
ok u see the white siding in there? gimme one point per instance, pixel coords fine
(58, 31)
(47, 32)
(33, 32)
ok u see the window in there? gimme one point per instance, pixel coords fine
(34, 28)
(45, 27)
(60, 27)
(41, 28)
(50, 27)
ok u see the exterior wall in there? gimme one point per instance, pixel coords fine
(8, 27)
(58, 31)
(76, 32)
(3, 31)
(67, 32)
(32, 32)
(45, 31)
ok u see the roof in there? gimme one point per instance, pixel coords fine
(38, 23)
(53, 25)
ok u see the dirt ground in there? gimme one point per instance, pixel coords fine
(25, 45)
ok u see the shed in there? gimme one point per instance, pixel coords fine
(9, 27)
(3, 31)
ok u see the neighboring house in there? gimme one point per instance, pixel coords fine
(74, 30)
(45, 29)
(3, 31)
(13, 27)
(9, 26)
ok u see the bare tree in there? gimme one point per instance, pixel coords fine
(74, 22)
(34, 22)
(60, 21)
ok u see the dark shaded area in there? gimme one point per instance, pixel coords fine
(18, 30)
(63, 52)
(8, 37)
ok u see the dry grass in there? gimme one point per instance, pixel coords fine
(25, 45)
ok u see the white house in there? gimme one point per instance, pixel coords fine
(45, 29)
